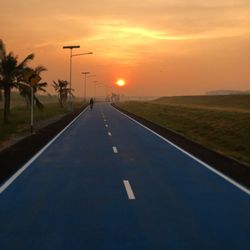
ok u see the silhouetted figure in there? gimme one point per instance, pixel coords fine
(91, 103)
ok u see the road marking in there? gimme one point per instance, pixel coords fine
(115, 150)
(106, 125)
(109, 133)
(233, 182)
(105, 120)
(22, 169)
(129, 190)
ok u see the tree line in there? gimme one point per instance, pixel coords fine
(12, 77)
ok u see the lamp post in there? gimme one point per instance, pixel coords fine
(71, 47)
(108, 91)
(70, 71)
(105, 89)
(96, 83)
(85, 76)
(86, 81)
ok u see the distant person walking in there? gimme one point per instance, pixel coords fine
(91, 103)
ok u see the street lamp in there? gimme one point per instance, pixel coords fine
(96, 83)
(89, 77)
(70, 71)
(82, 54)
(85, 76)
(107, 87)
(70, 68)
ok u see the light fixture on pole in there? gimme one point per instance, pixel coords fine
(83, 54)
(70, 68)
(96, 83)
(70, 71)
(85, 76)
(86, 81)
(108, 91)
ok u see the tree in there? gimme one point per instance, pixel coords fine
(1, 58)
(115, 97)
(61, 87)
(25, 90)
(10, 71)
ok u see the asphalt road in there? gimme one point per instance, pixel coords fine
(108, 183)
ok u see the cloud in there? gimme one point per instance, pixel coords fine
(169, 19)
(134, 33)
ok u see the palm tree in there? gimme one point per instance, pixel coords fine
(61, 87)
(1, 58)
(10, 71)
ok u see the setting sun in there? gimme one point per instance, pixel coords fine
(121, 82)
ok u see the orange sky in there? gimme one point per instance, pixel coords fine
(161, 47)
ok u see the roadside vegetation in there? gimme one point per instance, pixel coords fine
(20, 120)
(221, 123)
(239, 103)
(19, 124)
(15, 96)
(63, 90)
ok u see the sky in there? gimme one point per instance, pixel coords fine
(160, 47)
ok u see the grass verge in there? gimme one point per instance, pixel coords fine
(223, 131)
(19, 124)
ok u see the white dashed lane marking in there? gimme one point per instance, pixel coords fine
(129, 190)
(115, 150)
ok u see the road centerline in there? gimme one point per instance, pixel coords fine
(115, 150)
(129, 190)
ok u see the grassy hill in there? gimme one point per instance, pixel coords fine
(227, 102)
(221, 123)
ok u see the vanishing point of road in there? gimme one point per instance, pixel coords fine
(108, 183)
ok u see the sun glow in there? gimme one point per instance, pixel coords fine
(121, 82)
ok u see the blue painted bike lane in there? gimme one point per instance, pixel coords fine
(180, 203)
(73, 196)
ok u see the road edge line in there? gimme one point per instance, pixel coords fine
(7, 183)
(233, 182)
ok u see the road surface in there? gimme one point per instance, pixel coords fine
(107, 183)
